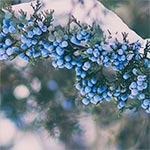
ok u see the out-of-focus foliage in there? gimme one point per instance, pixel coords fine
(8, 2)
(141, 21)
(139, 9)
(52, 96)
(134, 135)
(112, 3)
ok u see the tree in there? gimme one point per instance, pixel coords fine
(82, 40)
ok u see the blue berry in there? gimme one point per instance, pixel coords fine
(36, 54)
(88, 89)
(30, 34)
(64, 44)
(12, 29)
(8, 15)
(97, 98)
(89, 50)
(124, 47)
(141, 96)
(86, 66)
(134, 92)
(121, 104)
(145, 104)
(67, 58)
(9, 51)
(74, 40)
(59, 50)
(85, 101)
(135, 71)
(93, 80)
(8, 42)
(68, 65)
(126, 76)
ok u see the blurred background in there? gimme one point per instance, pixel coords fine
(40, 110)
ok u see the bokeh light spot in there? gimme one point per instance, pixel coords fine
(21, 91)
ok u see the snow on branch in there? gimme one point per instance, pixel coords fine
(89, 12)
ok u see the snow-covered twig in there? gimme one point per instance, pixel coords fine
(89, 12)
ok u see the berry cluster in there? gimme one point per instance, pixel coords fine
(63, 52)
(73, 49)
(32, 45)
(7, 41)
(139, 88)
